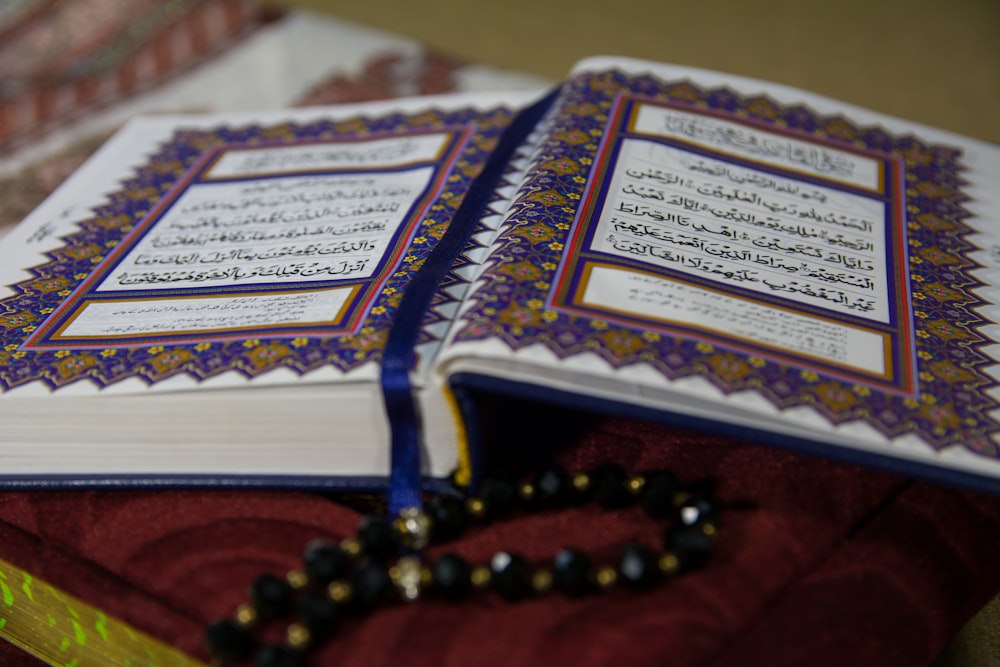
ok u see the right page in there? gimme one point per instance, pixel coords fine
(703, 247)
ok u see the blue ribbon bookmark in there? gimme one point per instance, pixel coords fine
(400, 353)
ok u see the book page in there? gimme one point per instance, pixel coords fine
(232, 246)
(753, 255)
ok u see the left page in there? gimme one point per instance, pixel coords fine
(210, 295)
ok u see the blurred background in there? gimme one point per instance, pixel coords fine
(930, 61)
(71, 71)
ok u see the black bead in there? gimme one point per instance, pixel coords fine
(448, 517)
(610, 486)
(376, 538)
(271, 596)
(697, 510)
(690, 544)
(452, 576)
(319, 614)
(499, 497)
(370, 585)
(553, 486)
(658, 493)
(279, 656)
(638, 567)
(228, 641)
(571, 572)
(325, 562)
(511, 578)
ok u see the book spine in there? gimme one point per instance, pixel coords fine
(400, 350)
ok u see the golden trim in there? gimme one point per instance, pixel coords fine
(63, 631)
(463, 474)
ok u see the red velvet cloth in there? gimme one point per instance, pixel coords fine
(817, 563)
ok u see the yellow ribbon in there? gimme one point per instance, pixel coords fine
(63, 631)
(463, 475)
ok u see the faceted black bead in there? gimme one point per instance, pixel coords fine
(511, 577)
(553, 486)
(448, 518)
(228, 642)
(658, 493)
(452, 576)
(638, 567)
(279, 656)
(690, 544)
(571, 572)
(271, 596)
(370, 585)
(325, 562)
(499, 497)
(610, 488)
(319, 614)
(376, 538)
(696, 510)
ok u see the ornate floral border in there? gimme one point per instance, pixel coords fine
(952, 406)
(73, 263)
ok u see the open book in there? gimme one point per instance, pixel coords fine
(307, 297)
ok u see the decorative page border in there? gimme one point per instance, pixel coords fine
(249, 353)
(949, 406)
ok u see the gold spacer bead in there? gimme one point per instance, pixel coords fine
(426, 577)
(406, 576)
(680, 497)
(297, 579)
(339, 591)
(526, 491)
(480, 576)
(351, 546)
(606, 577)
(635, 484)
(669, 563)
(476, 508)
(581, 481)
(412, 528)
(709, 529)
(541, 581)
(297, 636)
(246, 615)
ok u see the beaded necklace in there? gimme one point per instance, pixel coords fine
(384, 563)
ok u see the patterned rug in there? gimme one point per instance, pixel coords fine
(71, 71)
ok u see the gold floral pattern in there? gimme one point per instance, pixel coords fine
(264, 356)
(729, 367)
(17, 320)
(165, 362)
(835, 396)
(74, 366)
